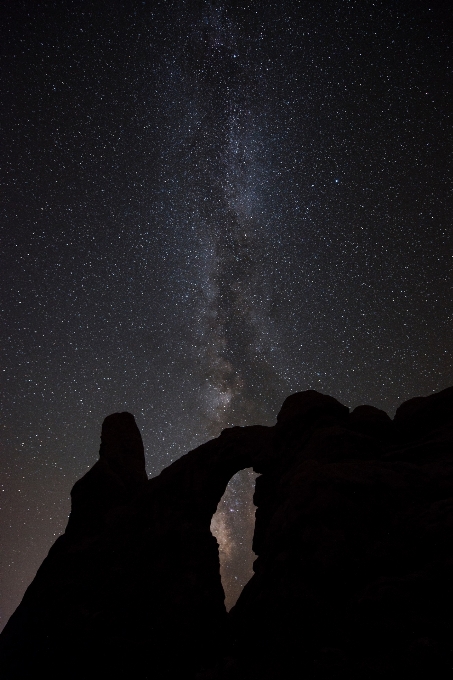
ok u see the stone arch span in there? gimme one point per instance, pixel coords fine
(186, 496)
(132, 589)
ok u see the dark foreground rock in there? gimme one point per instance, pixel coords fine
(354, 574)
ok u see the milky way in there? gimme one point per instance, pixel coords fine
(220, 155)
(209, 206)
(224, 181)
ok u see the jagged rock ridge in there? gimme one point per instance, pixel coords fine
(353, 535)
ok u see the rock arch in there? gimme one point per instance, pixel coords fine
(352, 532)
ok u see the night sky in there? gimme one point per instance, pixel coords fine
(207, 206)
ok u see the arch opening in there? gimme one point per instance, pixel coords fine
(233, 525)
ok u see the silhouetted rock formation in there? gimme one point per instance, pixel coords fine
(354, 574)
(118, 476)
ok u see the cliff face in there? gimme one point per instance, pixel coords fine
(353, 534)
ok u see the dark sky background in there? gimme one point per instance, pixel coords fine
(208, 206)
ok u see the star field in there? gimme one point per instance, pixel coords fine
(206, 207)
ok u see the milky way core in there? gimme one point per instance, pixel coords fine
(233, 525)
